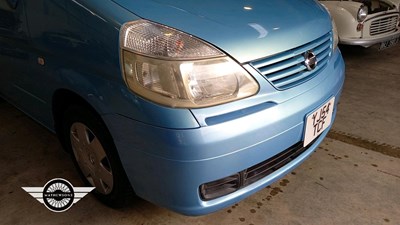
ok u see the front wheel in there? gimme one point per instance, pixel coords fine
(95, 156)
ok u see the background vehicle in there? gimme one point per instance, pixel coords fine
(366, 23)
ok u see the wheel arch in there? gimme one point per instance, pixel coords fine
(62, 99)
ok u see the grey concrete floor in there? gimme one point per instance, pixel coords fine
(353, 178)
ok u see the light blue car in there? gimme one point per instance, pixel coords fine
(192, 106)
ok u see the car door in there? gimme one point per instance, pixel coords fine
(14, 40)
(25, 79)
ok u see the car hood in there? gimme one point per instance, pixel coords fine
(246, 30)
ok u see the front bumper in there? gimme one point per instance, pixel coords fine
(368, 42)
(167, 166)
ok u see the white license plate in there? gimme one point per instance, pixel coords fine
(388, 44)
(318, 121)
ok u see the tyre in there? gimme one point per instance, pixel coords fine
(95, 156)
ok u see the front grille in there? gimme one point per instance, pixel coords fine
(287, 69)
(227, 185)
(220, 187)
(383, 25)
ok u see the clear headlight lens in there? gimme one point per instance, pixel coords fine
(175, 69)
(362, 13)
(334, 29)
(335, 35)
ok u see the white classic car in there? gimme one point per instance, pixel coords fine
(366, 22)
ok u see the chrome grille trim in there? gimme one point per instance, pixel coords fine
(287, 69)
(384, 25)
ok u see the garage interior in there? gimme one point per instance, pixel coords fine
(353, 177)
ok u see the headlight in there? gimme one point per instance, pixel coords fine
(335, 35)
(362, 13)
(334, 28)
(175, 69)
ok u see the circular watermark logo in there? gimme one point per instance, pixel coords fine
(58, 195)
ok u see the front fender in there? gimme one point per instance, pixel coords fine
(344, 14)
